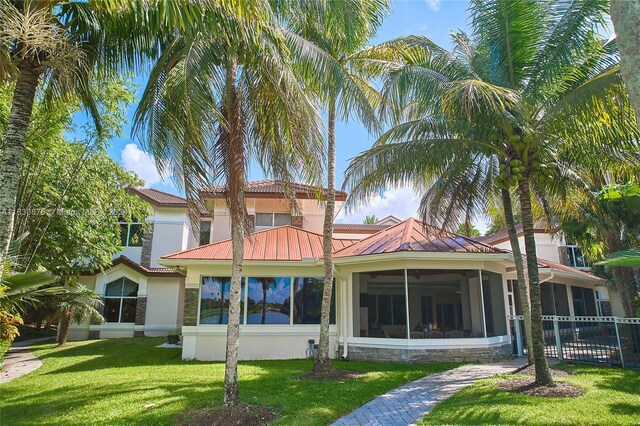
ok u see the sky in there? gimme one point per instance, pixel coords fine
(432, 18)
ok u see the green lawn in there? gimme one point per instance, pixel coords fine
(110, 382)
(611, 397)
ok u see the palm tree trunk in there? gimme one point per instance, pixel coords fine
(523, 291)
(543, 375)
(625, 15)
(63, 333)
(322, 363)
(13, 151)
(221, 315)
(237, 210)
(264, 303)
(624, 282)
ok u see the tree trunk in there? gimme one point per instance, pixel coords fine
(322, 363)
(625, 15)
(523, 291)
(221, 311)
(237, 210)
(543, 375)
(627, 289)
(13, 151)
(65, 321)
(263, 320)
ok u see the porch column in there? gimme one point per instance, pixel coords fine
(484, 320)
(406, 302)
(572, 312)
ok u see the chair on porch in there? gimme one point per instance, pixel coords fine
(416, 335)
(455, 334)
(433, 334)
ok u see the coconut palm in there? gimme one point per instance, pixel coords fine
(77, 304)
(333, 37)
(222, 94)
(625, 16)
(533, 79)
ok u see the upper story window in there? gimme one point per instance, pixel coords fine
(205, 232)
(576, 259)
(273, 219)
(120, 300)
(131, 234)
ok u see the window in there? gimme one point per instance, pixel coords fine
(120, 300)
(604, 305)
(307, 301)
(576, 259)
(205, 232)
(584, 302)
(269, 300)
(130, 234)
(273, 219)
(214, 300)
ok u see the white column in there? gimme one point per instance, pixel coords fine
(484, 320)
(406, 301)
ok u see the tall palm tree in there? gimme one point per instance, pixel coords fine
(533, 77)
(337, 33)
(222, 94)
(625, 15)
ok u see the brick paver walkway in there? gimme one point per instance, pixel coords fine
(411, 402)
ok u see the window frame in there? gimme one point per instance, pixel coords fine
(210, 222)
(273, 219)
(121, 299)
(128, 239)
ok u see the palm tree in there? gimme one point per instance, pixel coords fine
(370, 220)
(625, 16)
(533, 77)
(77, 304)
(337, 34)
(222, 94)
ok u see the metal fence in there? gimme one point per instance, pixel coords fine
(606, 340)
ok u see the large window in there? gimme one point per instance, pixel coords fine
(269, 300)
(130, 234)
(120, 301)
(584, 301)
(214, 300)
(383, 309)
(205, 232)
(273, 219)
(307, 301)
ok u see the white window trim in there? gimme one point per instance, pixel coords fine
(273, 219)
(122, 297)
(129, 232)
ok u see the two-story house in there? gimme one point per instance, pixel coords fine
(403, 290)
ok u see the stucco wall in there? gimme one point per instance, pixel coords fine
(163, 305)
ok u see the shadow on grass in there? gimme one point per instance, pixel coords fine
(111, 382)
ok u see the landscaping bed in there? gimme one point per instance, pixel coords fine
(607, 396)
(130, 381)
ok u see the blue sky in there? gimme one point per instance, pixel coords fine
(432, 18)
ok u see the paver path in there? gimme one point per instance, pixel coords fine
(19, 360)
(411, 402)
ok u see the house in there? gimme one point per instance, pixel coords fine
(404, 290)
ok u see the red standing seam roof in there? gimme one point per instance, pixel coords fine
(413, 235)
(284, 243)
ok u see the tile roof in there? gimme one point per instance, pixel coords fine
(503, 235)
(160, 198)
(283, 243)
(149, 272)
(274, 188)
(358, 227)
(553, 265)
(413, 235)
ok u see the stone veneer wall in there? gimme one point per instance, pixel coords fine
(563, 253)
(492, 354)
(141, 315)
(147, 240)
(297, 221)
(190, 316)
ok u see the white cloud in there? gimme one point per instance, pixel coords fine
(141, 163)
(400, 202)
(433, 4)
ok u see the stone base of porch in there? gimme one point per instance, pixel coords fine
(485, 355)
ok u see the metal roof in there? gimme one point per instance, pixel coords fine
(413, 235)
(283, 243)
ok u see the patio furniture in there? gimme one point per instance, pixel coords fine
(455, 334)
(432, 334)
(416, 335)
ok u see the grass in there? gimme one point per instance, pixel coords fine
(110, 382)
(612, 397)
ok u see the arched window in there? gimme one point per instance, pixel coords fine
(120, 300)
